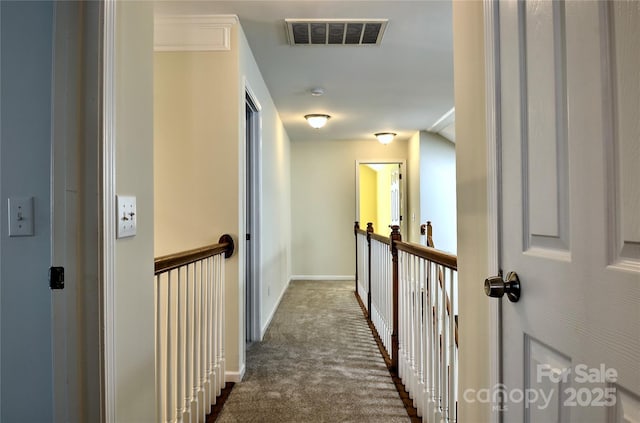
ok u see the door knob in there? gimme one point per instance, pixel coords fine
(496, 287)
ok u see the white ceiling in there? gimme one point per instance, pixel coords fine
(403, 85)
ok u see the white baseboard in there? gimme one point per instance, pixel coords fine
(235, 377)
(273, 312)
(323, 277)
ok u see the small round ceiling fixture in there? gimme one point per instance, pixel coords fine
(385, 137)
(317, 120)
(317, 92)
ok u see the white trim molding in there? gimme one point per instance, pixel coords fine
(323, 277)
(444, 121)
(235, 377)
(109, 210)
(492, 85)
(193, 32)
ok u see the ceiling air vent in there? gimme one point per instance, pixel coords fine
(307, 32)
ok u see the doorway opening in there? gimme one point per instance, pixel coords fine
(252, 216)
(380, 195)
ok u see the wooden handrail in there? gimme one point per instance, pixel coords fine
(173, 261)
(381, 238)
(428, 253)
(436, 256)
(418, 302)
(361, 232)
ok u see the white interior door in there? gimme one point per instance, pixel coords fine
(396, 216)
(570, 84)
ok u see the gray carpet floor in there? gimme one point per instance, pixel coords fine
(318, 362)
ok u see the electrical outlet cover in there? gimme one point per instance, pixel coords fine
(126, 215)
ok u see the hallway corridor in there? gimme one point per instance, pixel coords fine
(318, 362)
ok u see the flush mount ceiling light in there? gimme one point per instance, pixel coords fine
(317, 120)
(385, 137)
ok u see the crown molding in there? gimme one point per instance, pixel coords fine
(193, 32)
(444, 121)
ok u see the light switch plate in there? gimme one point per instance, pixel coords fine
(127, 216)
(20, 216)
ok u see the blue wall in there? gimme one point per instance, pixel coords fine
(25, 136)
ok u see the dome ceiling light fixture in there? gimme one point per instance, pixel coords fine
(317, 120)
(385, 137)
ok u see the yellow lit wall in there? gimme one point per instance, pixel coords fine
(368, 196)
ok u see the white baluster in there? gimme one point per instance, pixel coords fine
(210, 389)
(437, 359)
(419, 335)
(179, 350)
(169, 362)
(452, 348)
(402, 324)
(159, 354)
(431, 342)
(189, 394)
(424, 306)
(221, 325)
(444, 361)
(414, 328)
(203, 397)
(215, 294)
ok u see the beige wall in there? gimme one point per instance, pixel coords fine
(195, 154)
(323, 202)
(471, 146)
(196, 160)
(200, 168)
(134, 305)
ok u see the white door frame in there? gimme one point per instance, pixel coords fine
(403, 190)
(76, 342)
(254, 215)
(108, 209)
(64, 137)
(492, 90)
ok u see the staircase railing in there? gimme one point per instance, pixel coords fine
(362, 266)
(190, 360)
(415, 286)
(381, 282)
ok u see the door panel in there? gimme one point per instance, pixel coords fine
(544, 400)
(627, 409)
(623, 84)
(544, 141)
(570, 95)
